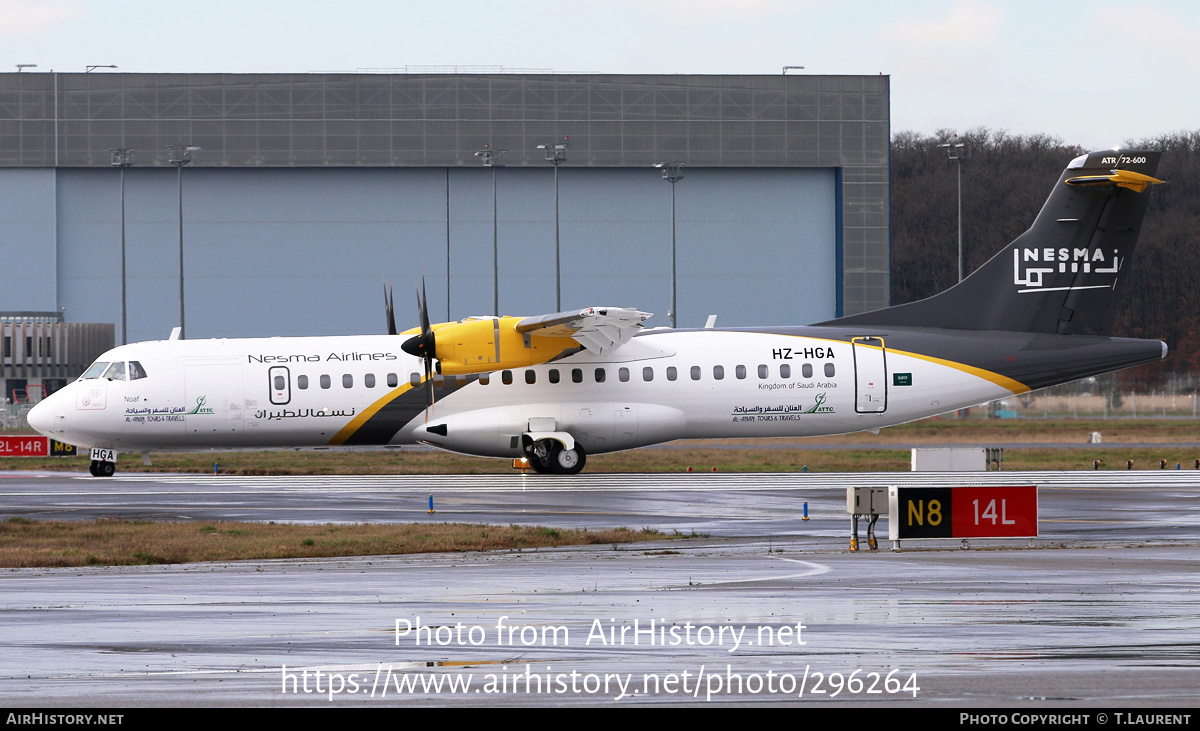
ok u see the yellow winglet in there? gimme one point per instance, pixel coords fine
(1120, 178)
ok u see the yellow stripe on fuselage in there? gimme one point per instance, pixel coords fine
(355, 423)
(1003, 381)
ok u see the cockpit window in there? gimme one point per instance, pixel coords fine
(136, 370)
(116, 371)
(94, 370)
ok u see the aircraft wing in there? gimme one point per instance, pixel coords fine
(599, 329)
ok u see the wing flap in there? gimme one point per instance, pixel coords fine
(599, 329)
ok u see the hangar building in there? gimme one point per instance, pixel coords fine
(308, 190)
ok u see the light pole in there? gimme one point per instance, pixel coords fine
(181, 155)
(958, 151)
(494, 159)
(556, 154)
(122, 158)
(673, 173)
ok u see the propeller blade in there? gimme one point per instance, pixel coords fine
(430, 348)
(430, 398)
(424, 346)
(423, 303)
(390, 309)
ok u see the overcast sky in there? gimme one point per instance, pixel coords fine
(1093, 73)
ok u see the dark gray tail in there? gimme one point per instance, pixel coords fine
(1061, 275)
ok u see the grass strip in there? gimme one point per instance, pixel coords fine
(37, 543)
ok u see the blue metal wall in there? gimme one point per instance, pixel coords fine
(27, 221)
(304, 251)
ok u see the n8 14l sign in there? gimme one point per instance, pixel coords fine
(962, 512)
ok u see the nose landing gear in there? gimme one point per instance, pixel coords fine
(104, 462)
(99, 468)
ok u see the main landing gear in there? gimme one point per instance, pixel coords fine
(102, 469)
(549, 456)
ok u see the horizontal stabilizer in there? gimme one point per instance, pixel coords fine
(1121, 178)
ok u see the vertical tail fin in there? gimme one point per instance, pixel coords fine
(1061, 275)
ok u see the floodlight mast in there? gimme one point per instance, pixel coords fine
(181, 155)
(122, 158)
(672, 172)
(556, 154)
(494, 159)
(958, 151)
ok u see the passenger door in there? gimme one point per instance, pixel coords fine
(870, 375)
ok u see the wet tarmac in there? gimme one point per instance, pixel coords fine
(760, 607)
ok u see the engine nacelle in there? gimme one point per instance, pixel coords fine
(598, 427)
(491, 344)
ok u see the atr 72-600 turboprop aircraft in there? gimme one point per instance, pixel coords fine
(558, 387)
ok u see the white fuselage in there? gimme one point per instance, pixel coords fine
(660, 386)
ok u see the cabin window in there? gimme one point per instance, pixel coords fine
(785, 371)
(695, 373)
(829, 370)
(279, 382)
(740, 371)
(438, 380)
(347, 381)
(623, 375)
(600, 375)
(552, 375)
(531, 376)
(718, 372)
(369, 380)
(485, 379)
(393, 380)
(763, 371)
(806, 370)
(136, 370)
(576, 375)
(325, 382)
(116, 371)
(414, 379)
(672, 373)
(506, 376)
(302, 382)
(647, 374)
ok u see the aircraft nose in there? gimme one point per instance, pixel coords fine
(41, 416)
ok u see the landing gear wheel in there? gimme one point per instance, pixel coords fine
(536, 453)
(548, 456)
(569, 461)
(102, 469)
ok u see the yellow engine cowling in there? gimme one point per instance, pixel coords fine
(484, 345)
